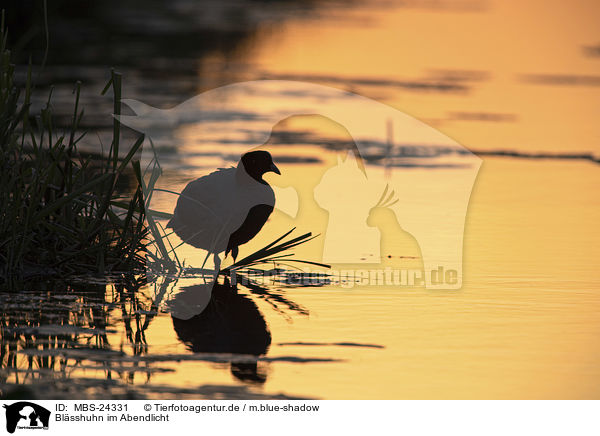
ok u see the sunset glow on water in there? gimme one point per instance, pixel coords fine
(489, 134)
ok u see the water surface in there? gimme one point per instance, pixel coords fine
(524, 324)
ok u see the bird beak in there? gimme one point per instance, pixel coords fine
(275, 169)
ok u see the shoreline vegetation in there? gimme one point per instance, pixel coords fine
(61, 210)
(64, 212)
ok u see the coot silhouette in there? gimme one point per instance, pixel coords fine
(227, 208)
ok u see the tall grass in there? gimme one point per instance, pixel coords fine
(60, 212)
(272, 253)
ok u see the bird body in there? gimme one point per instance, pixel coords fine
(226, 208)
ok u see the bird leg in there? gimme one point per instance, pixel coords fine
(217, 262)
(233, 250)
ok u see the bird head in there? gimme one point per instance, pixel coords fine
(257, 163)
(381, 212)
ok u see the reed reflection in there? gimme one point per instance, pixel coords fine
(59, 334)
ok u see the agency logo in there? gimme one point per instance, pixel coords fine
(396, 197)
(26, 415)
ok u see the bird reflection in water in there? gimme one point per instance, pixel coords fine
(229, 323)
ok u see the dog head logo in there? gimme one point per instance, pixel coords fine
(26, 415)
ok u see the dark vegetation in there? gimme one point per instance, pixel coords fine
(60, 210)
